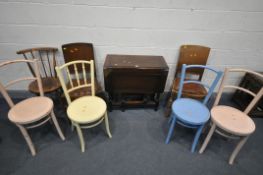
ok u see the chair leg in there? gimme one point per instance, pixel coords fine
(170, 119)
(169, 105)
(72, 126)
(197, 135)
(107, 124)
(54, 119)
(171, 129)
(81, 139)
(237, 149)
(208, 137)
(28, 139)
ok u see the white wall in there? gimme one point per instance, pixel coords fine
(232, 28)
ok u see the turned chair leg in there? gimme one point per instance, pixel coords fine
(54, 119)
(171, 129)
(81, 139)
(196, 139)
(107, 125)
(28, 139)
(237, 149)
(207, 139)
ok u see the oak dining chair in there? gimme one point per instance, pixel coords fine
(229, 121)
(81, 51)
(87, 111)
(189, 55)
(188, 112)
(46, 57)
(31, 112)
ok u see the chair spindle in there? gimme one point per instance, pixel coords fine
(84, 73)
(76, 73)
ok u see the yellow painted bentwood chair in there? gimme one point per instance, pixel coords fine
(86, 111)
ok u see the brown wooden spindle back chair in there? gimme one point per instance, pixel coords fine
(76, 52)
(47, 63)
(189, 54)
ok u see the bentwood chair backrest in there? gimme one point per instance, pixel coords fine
(35, 69)
(223, 86)
(46, 57)
(83, 79)
(210, 87)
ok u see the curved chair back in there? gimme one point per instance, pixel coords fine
(210, 87)
(80, 76)
(35, 69)
(256, 97)
(192, 55)
(47, 58)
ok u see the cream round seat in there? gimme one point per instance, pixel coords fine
(86, 109)
(232, 120)
(30, 110)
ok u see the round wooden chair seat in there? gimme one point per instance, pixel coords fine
(86, 109)
(190, 90)
(30, 110)
(190, 111)
(49, 84)
(232, 120)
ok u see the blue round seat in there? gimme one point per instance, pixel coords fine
(190, 111)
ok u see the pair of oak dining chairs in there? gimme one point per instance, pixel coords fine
(47, 57)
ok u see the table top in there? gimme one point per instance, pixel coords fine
(135, 61)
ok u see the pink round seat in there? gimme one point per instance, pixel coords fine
(232, 120)
(30, 110)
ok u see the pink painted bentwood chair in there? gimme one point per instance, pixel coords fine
(31, 112)
(229, 121)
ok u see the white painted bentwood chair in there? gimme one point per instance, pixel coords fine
(229, 121)
(86, 111)
(31, 112)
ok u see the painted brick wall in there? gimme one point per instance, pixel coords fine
(232, 28)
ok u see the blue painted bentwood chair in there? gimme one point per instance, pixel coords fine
(189, 112)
